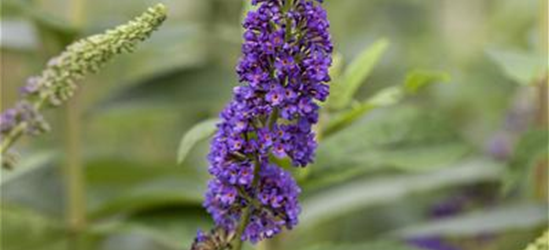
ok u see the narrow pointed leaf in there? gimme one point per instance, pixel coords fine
(198, 133)
(418, 79)
(345, 88)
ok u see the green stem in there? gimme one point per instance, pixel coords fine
(247, 213)
(12, 137)
(75, 184)
(76, 197)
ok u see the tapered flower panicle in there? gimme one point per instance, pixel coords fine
(58, 82)
(284, 68)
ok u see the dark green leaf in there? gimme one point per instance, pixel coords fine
(24, 229)
(117, 186)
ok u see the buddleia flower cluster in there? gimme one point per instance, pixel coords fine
(284, 70)
(57, 83)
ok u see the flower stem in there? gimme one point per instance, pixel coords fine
(247, 212)
(76, 198)
(76, 194)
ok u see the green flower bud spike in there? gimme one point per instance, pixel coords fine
(58, 82)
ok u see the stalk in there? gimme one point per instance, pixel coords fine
(247, 212)
(75, 184)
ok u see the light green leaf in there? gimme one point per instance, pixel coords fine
(532, 147)
(361, 194)
(355, 74)
(415, 81)
(337, 66)
(414, 159)
(522, 67)
(421, 158)
(197, 133)
(385, 97)
(379, 245)
(493, 220)
(418, 79)
(25, 229)
(541, 243)
(28, 164)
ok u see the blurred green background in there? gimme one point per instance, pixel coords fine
(460, 164)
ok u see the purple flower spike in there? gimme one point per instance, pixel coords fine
(284, 70)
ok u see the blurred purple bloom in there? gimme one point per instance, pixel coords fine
(431, 243)
(500, 146)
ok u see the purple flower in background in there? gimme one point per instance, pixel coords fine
(284, 67)
(431, 243)
(500, 146)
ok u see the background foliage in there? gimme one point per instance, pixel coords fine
(435, 136)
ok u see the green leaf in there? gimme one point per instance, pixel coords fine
(197, 133)
(418, 79)
(337, 66)
(379, 245)
(390, 141)
(157, 229)
(28, 164)
(121, 186)
(26, 229)
(40, 17)
(415, 81)
(385, 97)
(489, 221)
(530, 150)
(355, 196)
(522, 67)
(541, 243)
(415, 159)
(355, 74)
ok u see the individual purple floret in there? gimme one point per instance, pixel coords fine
(284, 67)
(8, 119)
(23, 112)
